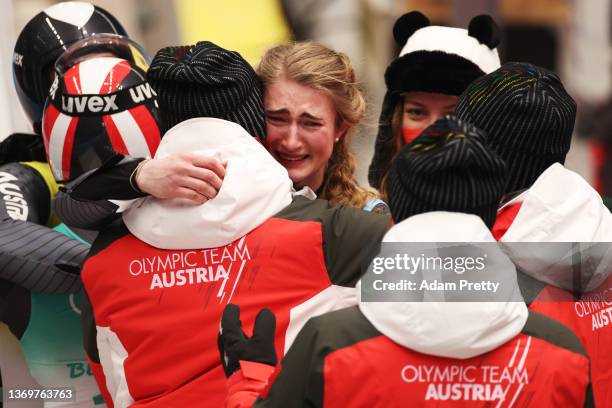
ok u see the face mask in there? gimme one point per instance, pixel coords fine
(411, 134)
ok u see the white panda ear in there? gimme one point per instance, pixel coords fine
(485, 30)
(407, 24)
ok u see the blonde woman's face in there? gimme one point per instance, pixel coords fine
(421, 109)
(301, 126)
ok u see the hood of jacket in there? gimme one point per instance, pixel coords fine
(255, 188)
(452, 329)
(562, 234)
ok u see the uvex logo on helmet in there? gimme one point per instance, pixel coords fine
(17, 59)
(102, 104)
(142, 92)
(90, 103)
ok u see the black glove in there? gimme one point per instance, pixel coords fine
(234, 345)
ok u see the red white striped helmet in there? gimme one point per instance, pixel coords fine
(99, 105)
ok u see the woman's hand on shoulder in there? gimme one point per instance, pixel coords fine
(191, 176)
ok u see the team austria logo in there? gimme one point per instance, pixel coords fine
(470, 382)
(14, 202)
(195, 267)
(597, 307)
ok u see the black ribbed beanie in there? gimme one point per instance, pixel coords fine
(527, 115)
(448, 167)
(206, 80)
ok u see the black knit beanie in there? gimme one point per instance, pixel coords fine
(527, 115)
(448, 167)
(206, 80)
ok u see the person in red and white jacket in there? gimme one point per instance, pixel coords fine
(571, 267)
(158, 281)
(553, 224)
(411, 353)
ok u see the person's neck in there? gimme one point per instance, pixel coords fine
(318, 191)
(315, 184)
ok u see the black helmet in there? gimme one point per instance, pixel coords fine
(43, 39)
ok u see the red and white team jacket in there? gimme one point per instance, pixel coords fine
(434, 354)
(152, 314)
(571, 282)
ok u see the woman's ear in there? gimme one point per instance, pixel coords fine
(341, 131)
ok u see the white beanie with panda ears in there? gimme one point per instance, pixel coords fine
(441, 59)
(456, 41)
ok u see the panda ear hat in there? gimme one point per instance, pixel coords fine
(441, 59)
(484, 29)
(407, 24)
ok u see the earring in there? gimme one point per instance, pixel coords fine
(337, 139)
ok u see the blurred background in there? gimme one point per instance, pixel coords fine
(571, 37)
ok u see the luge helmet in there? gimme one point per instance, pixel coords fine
(43, 39)
(99, 105)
